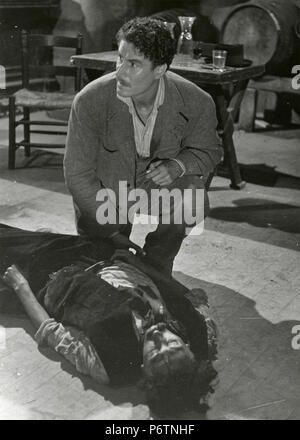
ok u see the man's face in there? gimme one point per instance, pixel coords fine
(135, 74)
(162, 347)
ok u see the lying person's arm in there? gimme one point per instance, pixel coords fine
(70, 343)
(34, 310)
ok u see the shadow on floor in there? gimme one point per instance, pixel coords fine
(274, 217)
(44, 172)
(264, 175)
(256, 363)
(261, 213)
(258, 369)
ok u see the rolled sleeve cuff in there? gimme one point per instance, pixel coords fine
(45, 328)
(181, 165)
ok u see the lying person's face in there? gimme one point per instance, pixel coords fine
(163, 351)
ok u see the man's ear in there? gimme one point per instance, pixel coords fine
(160, 70)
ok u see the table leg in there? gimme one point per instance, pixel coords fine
(227, 110)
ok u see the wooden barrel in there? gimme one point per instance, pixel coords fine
(266, 29)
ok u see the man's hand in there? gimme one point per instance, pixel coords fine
(120, 241)
(163, 172)
(129, 258)
(126, 256)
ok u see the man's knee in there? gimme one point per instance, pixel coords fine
(194, 203)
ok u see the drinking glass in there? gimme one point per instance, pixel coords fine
(219, 59)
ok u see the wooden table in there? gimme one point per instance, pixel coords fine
(227, 89)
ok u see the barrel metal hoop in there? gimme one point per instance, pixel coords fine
(247, 5)
(275, 19)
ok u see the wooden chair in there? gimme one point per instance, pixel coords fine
(33, 100)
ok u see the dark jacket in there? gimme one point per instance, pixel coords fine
(82, 299)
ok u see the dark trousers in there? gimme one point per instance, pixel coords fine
(162, 245)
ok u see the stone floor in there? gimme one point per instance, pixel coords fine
(246, 260)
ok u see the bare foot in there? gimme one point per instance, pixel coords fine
(14, 278)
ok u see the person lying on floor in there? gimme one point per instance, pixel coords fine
(112, 320)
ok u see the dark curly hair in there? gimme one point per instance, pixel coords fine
(181, 389)
(151, 37)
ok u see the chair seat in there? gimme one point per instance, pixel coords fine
(44, 100)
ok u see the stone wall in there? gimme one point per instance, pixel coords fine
(99, 20)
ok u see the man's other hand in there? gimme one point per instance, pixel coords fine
(125, 255)
(163, 172)
(129, 258)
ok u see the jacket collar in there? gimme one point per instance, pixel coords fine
(170, 122)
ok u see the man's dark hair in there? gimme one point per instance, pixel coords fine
(151, 37)
(181, 389)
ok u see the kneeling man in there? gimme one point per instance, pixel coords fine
(148, 128)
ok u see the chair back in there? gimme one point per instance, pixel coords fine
(38, 54)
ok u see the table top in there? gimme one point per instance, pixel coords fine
(193, 70)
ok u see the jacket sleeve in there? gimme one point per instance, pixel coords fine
(201, 147)
(80, 162)
(74, 346)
